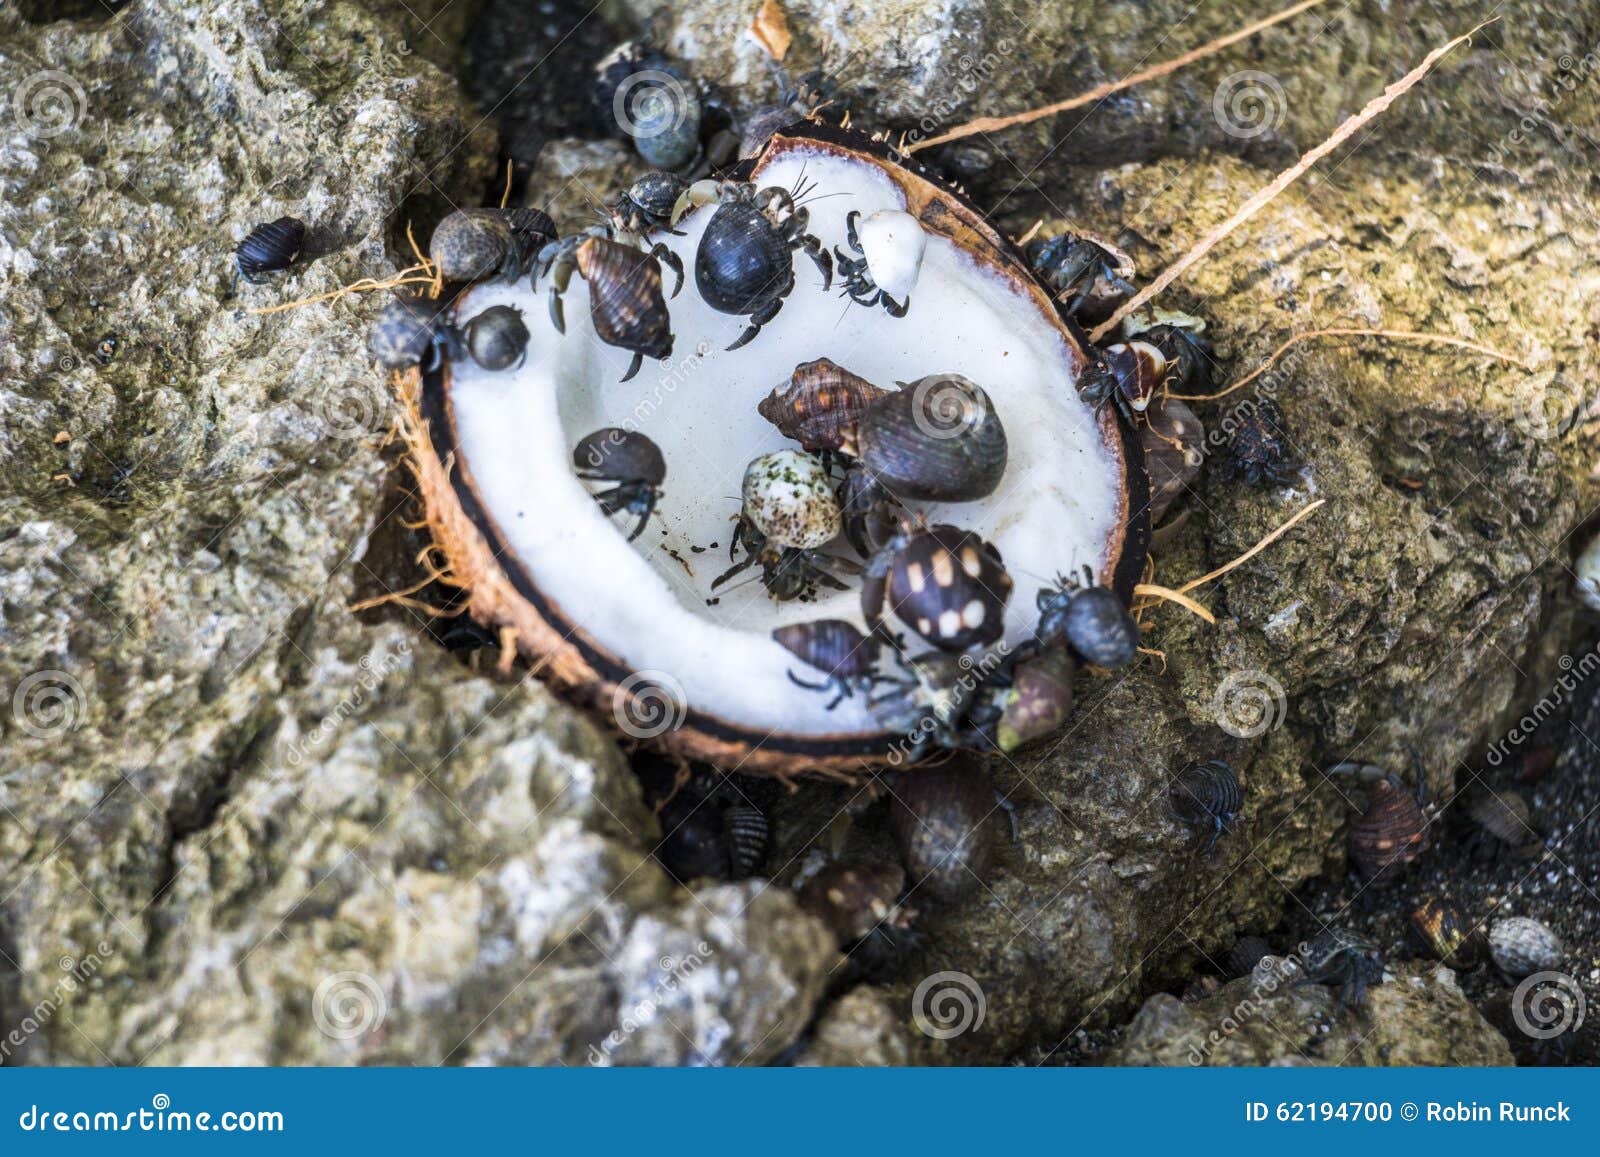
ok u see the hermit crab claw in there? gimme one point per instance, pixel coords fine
(706, 192)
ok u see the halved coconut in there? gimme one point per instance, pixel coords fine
(635, 630)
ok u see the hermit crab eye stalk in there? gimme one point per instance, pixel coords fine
(829, 579)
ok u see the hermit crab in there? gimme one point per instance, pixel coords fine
(745, 264)
(613, 623)
(625, 297)
(789, 513)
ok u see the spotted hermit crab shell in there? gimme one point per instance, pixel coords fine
(613, 625)
(789, 498)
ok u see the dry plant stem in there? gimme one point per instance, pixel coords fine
(1172, 596)
(1300, 517)
(1282, 181)
(995, 124)
(1391, 334)
(1180, 596)
(365, 285)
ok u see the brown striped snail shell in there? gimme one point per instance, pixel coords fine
(1505, 816)
(945, 823)
(1040, 699)
(626, 301)
(1172, 439)
(1522, 946)
(820, 406)
(854, 899)
(1391, 833)
(937, 439)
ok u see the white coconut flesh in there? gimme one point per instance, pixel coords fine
(645, 603)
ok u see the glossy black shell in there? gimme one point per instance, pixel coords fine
(497, 337)
(1093, 621)
(270, 247)
(742, 264)
(619, 455)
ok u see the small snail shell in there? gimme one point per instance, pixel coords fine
(1391, 833)
(1040, 699)
(1522, 946)
(1246, 953)
(1172, 438)
(944, 821)
(854, 899)
(893, 243)
(1444, 932)
(1505, 816)
(789, 498)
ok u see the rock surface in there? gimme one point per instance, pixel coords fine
(1418, 1018)
(238, 823)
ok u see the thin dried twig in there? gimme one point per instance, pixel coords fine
(1282, 181)
(1151, 590)
(995, 124)
(1300, 517)
(1181, 595)
(365, 285)
(1391, 334)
